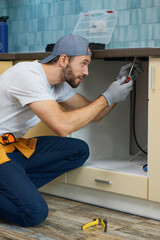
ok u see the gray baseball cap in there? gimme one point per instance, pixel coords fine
(71, 45)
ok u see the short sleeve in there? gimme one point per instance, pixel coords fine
(30, 87)
(64, 92)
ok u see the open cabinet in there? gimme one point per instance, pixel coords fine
(114, 164)
(111, 176)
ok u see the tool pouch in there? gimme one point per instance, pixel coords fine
(8, 143)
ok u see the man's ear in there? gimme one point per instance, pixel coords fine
(63, 60)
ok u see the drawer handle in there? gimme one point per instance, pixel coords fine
(103, 181)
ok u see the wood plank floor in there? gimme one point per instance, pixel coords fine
(66, 218)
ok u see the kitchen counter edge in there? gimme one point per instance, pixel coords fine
(106, 53)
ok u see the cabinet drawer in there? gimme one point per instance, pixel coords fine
(105, 180)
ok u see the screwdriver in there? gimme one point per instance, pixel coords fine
(130, 71)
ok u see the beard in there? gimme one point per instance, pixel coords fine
(70, 77)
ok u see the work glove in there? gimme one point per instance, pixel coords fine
(118, 91)
(137, 70)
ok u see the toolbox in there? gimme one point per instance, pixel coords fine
(97, 26)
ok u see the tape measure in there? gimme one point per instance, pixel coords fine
(8, 138)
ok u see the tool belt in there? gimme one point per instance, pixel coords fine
(8, 143)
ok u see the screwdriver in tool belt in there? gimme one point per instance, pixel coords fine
(130, 71)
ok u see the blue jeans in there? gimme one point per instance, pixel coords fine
(20, 178)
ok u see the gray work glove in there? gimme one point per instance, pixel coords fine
(137, 70)
(118, 91)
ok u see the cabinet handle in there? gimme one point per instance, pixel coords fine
(103, 181)
(152, 78)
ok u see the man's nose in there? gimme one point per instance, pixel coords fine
(85, 71)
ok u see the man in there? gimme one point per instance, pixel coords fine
(30, 92)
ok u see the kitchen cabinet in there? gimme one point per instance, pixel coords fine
(108, 173)
(111, 178)
(154, 129)
(4, 65)
(108, 168)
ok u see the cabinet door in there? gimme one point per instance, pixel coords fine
(4, 65)
(39, 130)
(154, 130)
(116, 182)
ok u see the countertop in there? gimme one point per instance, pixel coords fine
(106, 54)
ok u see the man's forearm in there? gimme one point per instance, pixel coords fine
(64, 123)
(104, 112)
(81, 117)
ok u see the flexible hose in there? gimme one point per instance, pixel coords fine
(134, 110)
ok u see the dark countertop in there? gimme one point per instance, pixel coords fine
(107, 53)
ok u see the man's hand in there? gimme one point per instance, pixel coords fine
(124, 71)
(118, 91)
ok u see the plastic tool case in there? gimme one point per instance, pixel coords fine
(96, 26)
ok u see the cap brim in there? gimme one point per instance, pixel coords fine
(47, 59)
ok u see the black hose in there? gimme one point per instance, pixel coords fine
(134, 110)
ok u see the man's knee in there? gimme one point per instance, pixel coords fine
(35, 214)
(84, 152)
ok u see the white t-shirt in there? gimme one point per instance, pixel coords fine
(20, 85)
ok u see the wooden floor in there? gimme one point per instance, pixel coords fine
(66, 218)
